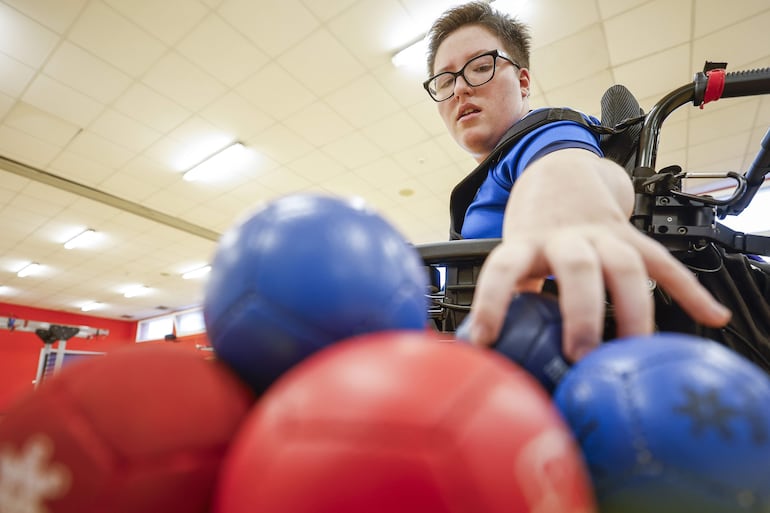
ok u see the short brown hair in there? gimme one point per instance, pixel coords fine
(513, 33)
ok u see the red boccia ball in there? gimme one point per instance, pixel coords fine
(141, 429)
(401, 421)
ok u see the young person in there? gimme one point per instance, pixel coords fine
(561, 209)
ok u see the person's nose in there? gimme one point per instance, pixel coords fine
(462, 86)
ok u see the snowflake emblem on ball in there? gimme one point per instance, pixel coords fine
(28, 478)
(708, 410)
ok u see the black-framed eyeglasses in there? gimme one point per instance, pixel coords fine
(477, 71)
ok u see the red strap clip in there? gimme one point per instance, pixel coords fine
(715, 86)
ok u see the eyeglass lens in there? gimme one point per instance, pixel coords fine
(476, 72)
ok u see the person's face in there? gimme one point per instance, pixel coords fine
(477, 117)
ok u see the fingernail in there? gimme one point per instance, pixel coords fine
(722, 310)
(581, 351)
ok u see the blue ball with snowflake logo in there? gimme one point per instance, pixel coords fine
(671, 423)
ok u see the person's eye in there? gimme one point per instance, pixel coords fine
(444, 81)
(482, 67)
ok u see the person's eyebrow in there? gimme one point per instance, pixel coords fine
(469, 57)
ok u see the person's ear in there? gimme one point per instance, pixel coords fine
(524, 82)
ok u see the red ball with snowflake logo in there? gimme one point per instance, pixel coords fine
(141, 429)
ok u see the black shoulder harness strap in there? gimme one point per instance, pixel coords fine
(464, 192)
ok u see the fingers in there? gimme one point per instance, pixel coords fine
(578, 270)
(503, 274)
(587, 264)
(682, 284)
(626, 278)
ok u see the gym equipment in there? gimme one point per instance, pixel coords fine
(407, 422)
(302, 272)
(141, 429)
(53, 358)
(531, 337)
(671, 423)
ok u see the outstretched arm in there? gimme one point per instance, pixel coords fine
(567, 216)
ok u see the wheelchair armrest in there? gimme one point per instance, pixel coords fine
(452, 251)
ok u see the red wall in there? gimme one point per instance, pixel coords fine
(20, 350)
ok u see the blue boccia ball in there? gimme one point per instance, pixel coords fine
(671, 423)
(531, 336)
(302, 272)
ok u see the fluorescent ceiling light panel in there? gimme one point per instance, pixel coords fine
(81, 239)
(217, 164)
(136, 290)
(29, 269)
(413, 56)
(90, 306)
(196, 273)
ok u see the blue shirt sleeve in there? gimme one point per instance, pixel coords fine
(484, 218)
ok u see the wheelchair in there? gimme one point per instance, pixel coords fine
(726, 261)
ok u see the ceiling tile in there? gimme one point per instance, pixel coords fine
(100, 150)
(124, 131)
(283, 181)
(404, 85)
(421, 158)
(208, 216)
(217, 47)
(24, 39)
(150, 172)
(610, 8)
(573, 16)
(426, 114)
(12, 182)
(76, 68)
(14, 76)
(645, 77)
(169, 20)
(584, 95)
(54, 14)
(273, 90)
(62, 101)
(347, 185)
(353, 150)
(325, 11)
(738, 44)
(713, 124)
(280, 144)
(566, 61)
(127, 186)
(110, 36)
(711, 155)
(362, 101)
(75, 167)
(309, 63)
(151, 108)
(395, 132)
(318, 124)
(374, 43)
(660, 25)
(175, 77)
(712, 15)
(383, 173)
(235, 115)
(316, 167)
(40, 124)
(6, 104)
(270, 32)
(25, 148)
